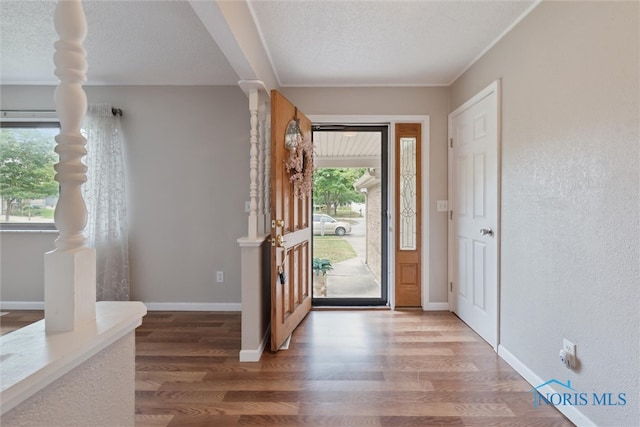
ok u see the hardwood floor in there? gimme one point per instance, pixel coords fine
(343, 368)
(16, 319)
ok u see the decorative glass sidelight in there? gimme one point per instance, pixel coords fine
(408, 208)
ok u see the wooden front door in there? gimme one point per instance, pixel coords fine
(408, 215)
(291, 227)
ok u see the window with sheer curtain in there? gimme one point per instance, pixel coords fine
(105, 196)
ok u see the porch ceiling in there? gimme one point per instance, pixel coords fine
(347, 149)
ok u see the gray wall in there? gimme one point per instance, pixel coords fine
(186, 148)
(187, 157)
(428, 101)
(22, 264)
(570, 194)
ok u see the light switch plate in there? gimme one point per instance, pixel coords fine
(442, 205)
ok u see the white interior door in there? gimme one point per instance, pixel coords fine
(474, 217)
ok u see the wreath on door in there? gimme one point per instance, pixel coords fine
(299, 165)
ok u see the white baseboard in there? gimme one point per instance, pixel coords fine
(181, 306)
(21, 305)
(436, 306)
(571, 412)
(255, 355)
(151, 306)
(193, 306)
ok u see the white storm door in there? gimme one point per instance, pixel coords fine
(474, 216)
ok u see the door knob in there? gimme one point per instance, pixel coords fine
(280, 241)
(486, 232)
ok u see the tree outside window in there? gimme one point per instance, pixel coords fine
(27, 186)
(333, 187)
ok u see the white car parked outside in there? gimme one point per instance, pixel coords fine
(324, 224)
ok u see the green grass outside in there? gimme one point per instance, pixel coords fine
(348, 213)
(333, 248)
(342, 213)
(37, 215)
(46, 213)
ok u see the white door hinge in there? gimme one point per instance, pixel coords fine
(451, 142)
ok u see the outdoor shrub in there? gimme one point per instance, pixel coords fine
(321, 265)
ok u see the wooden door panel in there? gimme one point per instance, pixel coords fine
(407, 292)
(291, 301)
(408, 253)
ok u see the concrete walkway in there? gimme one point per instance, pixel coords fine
(352, 278)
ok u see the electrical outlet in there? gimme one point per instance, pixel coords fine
(568, 353)
(219, 276)
(442, 205)
(569, 347)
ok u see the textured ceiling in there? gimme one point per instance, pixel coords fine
(128, 42)
(309, 42)
(358, 43)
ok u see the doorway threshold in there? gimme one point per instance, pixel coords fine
(349, 307)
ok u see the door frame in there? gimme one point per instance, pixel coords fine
(493, 88)
(391, 120)
(383, 300)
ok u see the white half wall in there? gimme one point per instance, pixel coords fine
(73, 378)
(75, 400)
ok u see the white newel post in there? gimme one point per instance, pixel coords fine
(261, 141)
(267, 168)
(253, 163)
(70, 269)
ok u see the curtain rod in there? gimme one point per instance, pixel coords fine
(34, 113)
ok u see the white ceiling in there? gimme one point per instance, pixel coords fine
(309, 42)
(379, 43)
(128, 42)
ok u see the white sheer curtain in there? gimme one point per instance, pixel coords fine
(105, 196)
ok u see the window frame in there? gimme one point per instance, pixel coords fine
(34, 120)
